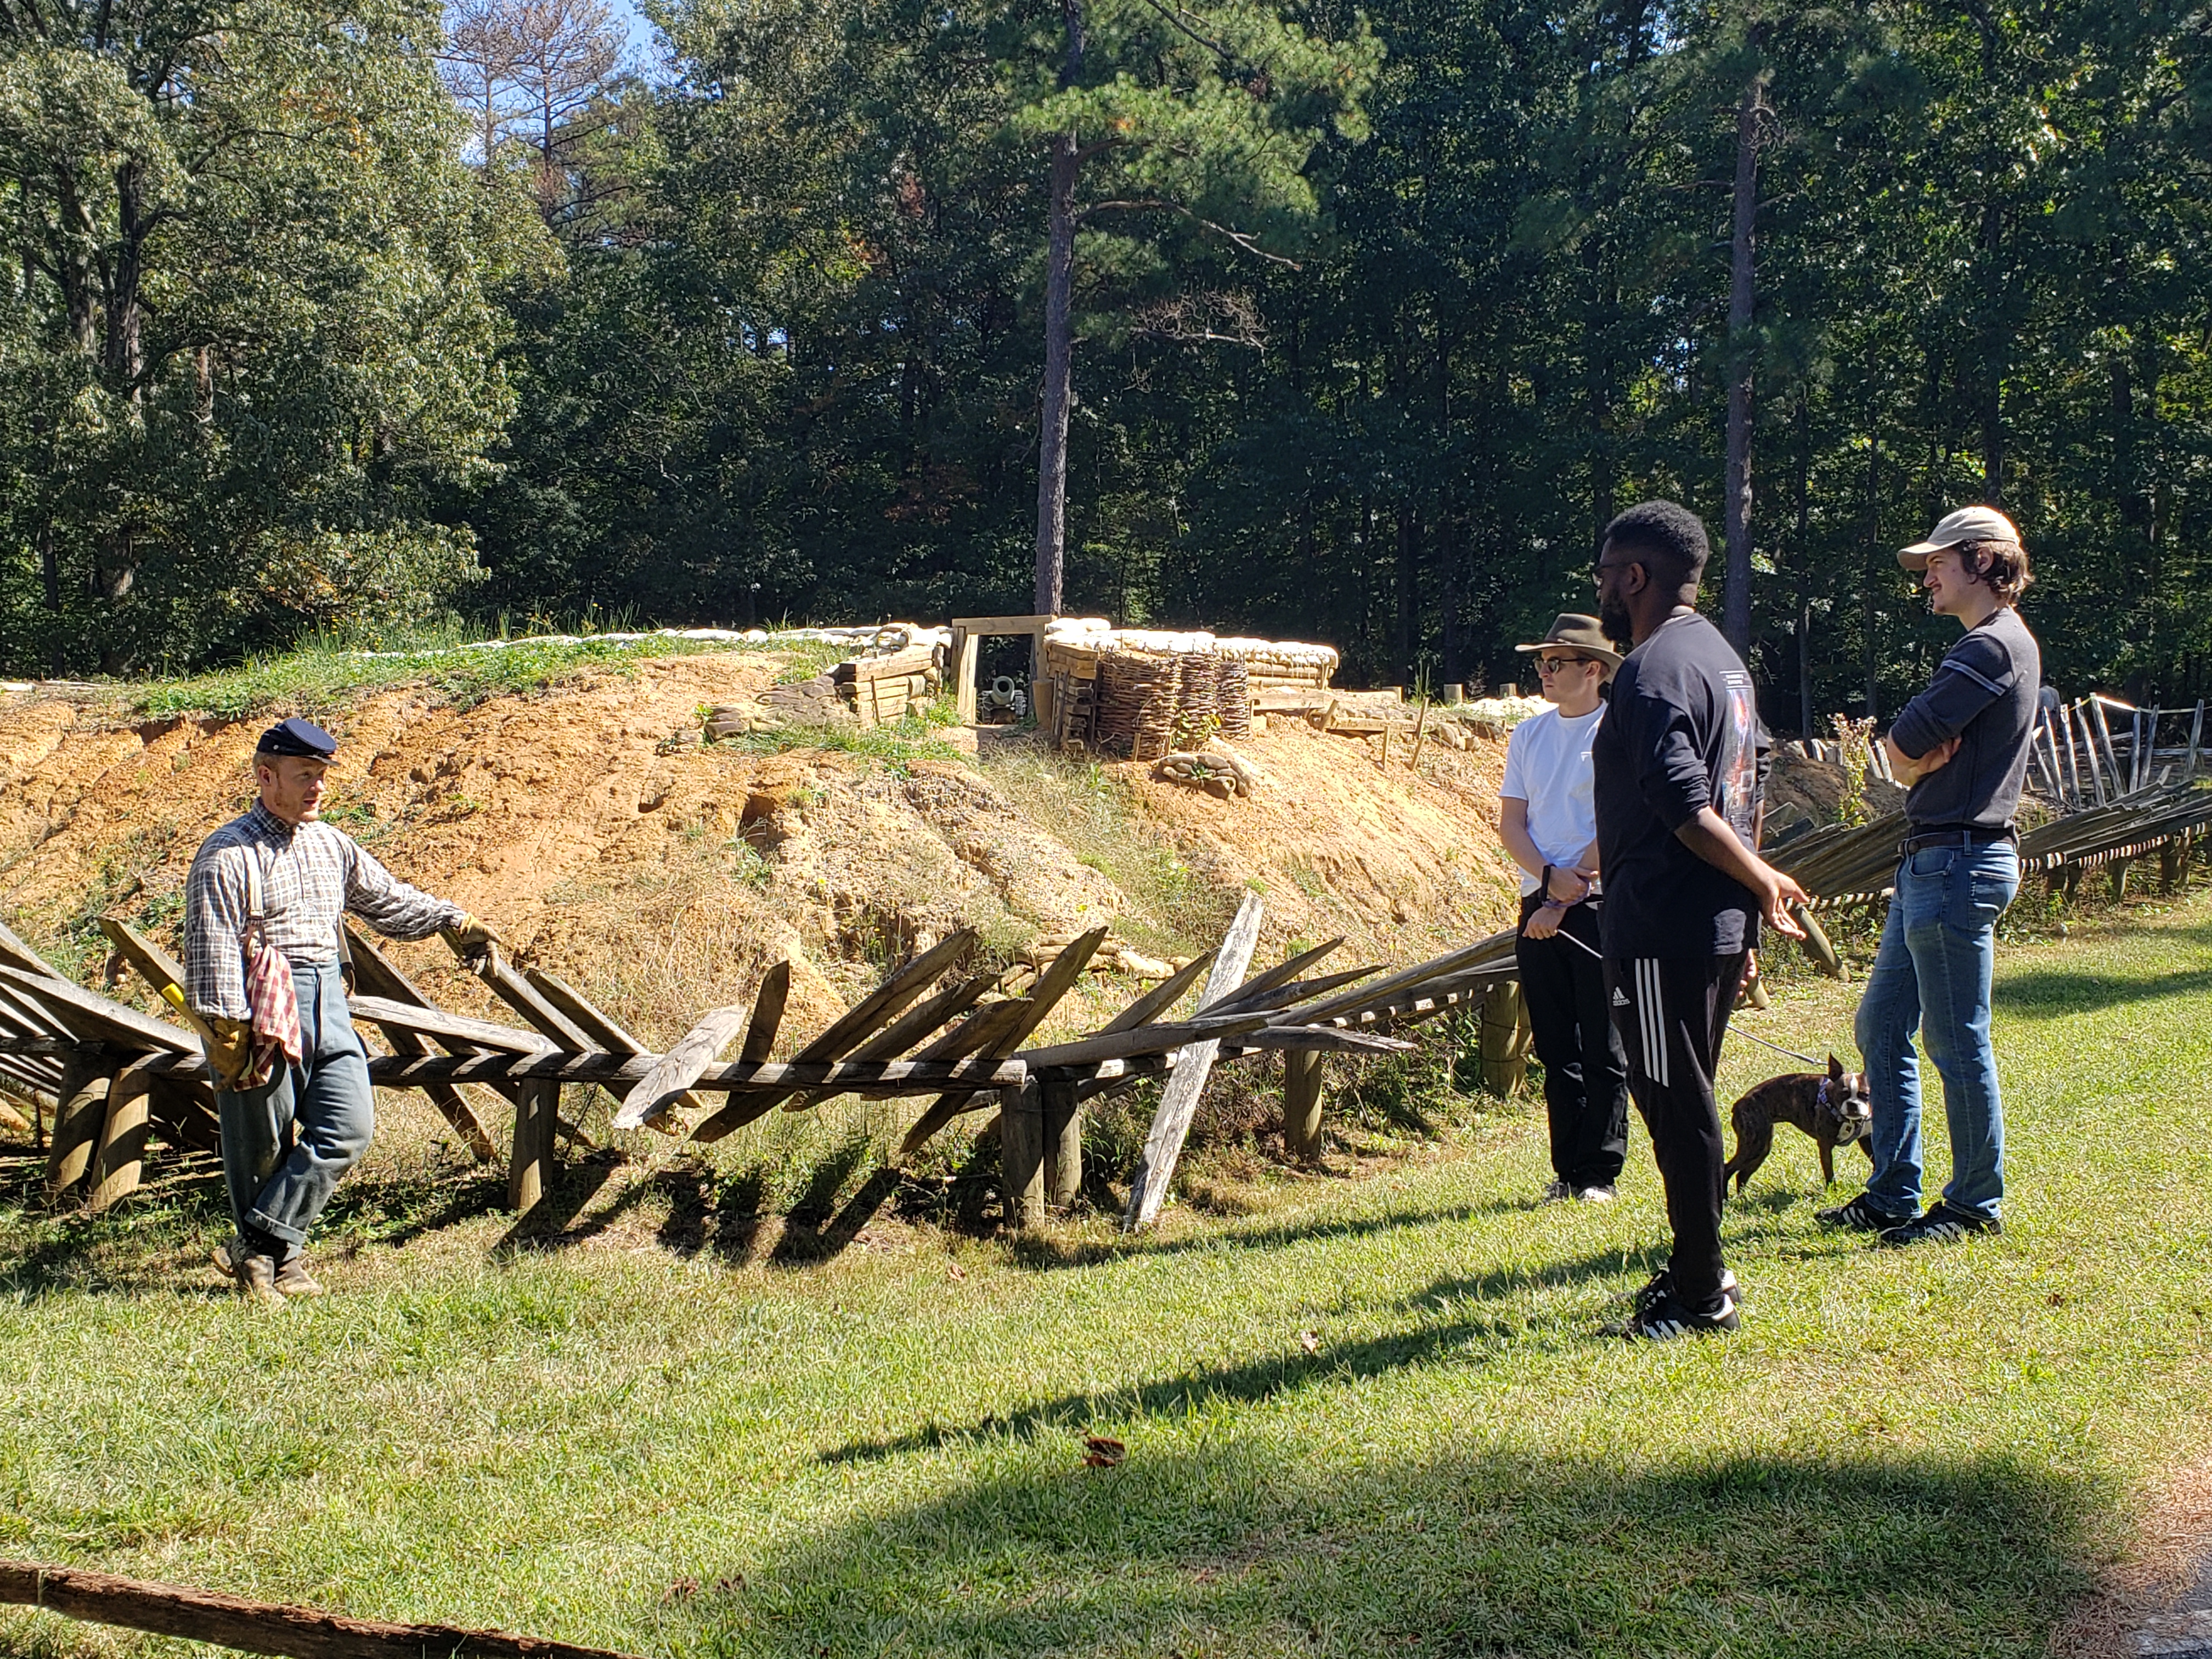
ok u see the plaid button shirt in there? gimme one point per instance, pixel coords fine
(309, 877)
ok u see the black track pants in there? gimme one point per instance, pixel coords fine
(1585, 1072)
(1671, 1013)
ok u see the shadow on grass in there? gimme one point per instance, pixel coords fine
(1045, 1253)
(1241, 1546)
(1467, 1320)
(2052, 993)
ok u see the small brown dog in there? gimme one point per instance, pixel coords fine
(1834, 1110)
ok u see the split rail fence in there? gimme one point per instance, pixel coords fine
(109, 1078)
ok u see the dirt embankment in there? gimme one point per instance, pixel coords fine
(663, 883)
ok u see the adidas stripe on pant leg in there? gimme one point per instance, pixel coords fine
(1671, 1013)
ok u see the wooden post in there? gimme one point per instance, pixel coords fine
(2120, 878)
(1504, 1062)
(1302, 1079)
(117, 1164)
(2169, 863)
(79, 1111)
(1021, 1153)
(1063, 1143)
(965, 649)
(530, 1164)
(1420, 731)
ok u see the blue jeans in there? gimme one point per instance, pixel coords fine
(1932, 972)
(286, 1144)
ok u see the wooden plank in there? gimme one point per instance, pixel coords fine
(98, 1018)
(1282, 973)
(518, 993)
(1143, 1040)
(889, 998)
(1283, 996)
(598, 1027)
(159, 970)
(681, 1066)
(118, 1163)
(1179, 1100)
(1313, 1039)
(1163, 996)
(768, 1014)
(1058, 978)
(16, 954)
(927, 1016)
(436, 1022)
(987, 1033)
(372, 969)
(777, 1077)
(231, 1621)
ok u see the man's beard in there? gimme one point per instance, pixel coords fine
(1613, 616)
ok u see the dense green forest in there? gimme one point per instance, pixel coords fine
(344, 314)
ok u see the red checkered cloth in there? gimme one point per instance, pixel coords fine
(270, 992)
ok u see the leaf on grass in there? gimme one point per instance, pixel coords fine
(681, 1590)
(1308, 1342)
(954, 1271)
(1101, 1453)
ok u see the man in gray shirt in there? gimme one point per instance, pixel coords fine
(292, 1091)
(1962, 746)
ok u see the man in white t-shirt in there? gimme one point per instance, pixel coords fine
(1549, 824)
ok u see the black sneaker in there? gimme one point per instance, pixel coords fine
(1558, 1193)
(1861, 1215)
(1943, 1224)
(1660, 1286)
(1669, 1316)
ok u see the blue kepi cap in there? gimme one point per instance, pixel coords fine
(297, 737)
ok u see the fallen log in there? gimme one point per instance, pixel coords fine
(232, 1621)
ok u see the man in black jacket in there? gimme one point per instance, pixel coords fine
(1677, 771)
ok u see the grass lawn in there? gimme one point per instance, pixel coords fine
(1376, 1417)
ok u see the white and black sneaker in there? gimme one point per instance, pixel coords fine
(1943, 1224)
(1660, 1286)
(1594, 1195)
(1861, 1215)
(1669, 1316)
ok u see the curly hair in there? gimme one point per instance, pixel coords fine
(1670, 537)
(2002, 565)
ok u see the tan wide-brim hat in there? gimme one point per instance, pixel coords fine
(1578, 633)
(1968, 524)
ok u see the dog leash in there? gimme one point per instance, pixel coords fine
(1734, 1030)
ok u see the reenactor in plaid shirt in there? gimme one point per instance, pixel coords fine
(288, 1138)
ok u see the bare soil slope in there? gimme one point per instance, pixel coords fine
(664, 881)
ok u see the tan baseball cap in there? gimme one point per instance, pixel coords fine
(1968, 524)
(1578, 633)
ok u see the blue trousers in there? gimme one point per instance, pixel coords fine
(1932, 972)
(286, 1144)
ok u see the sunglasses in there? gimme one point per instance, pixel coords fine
(1553, 664)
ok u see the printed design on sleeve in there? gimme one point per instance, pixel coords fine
(1738, 778)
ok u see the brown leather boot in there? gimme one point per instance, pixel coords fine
(257, 1281)
(293, 1278)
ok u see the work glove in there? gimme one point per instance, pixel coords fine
(229, 1045)
(472, 937)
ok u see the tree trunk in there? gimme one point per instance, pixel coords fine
(1409, 596)
(1736, 601)
(1059, 377)
(1804, 562)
